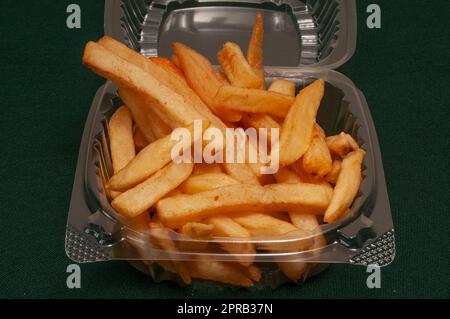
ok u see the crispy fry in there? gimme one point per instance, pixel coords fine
(259, 121)
(202, 77)
(202, 183)
(176, 211)
(227, 227)
(197, 230)
(283, 86)
(264, 225)
(121, 138)
(317, 160)
(222, 77)
(176, 60)
(139, 199)
(347, 186)
(341, 144)
(236, 67)
(334, 174)
(140, 142)
(147, 162)
(169, 66)
(204, 168)
(252, 101)
(126, 74)
(255, 48)
(297, 130)
(241, 172)
(207, 268)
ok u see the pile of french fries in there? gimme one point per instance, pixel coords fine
(317, 183)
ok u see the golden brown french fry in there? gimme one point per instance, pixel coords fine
(141, 198)
(176, 60)
(139, 114)
(296, 133)
(169, 66)
(162, 238)
(283, 86)
(256, 48)
(347, 186)
(226, 227)
(204, 168)
(222, 77)
(121, 138)
(259, 121)
(341, 144)
(197, 230)
(263, 225)
(176, 211)
(241, 172)
(236, 67)
(334, 174)
(252, 272)
(140, 142)
(252, 101)
(317, 160)
(205, 182)
(125, 74)
(202, 77)
(147, 162)
(207, 268)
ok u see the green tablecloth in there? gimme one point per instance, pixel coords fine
(46, 94)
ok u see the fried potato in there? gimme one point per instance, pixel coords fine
(236, 67)
(121, 138)
(203, 168)
(317, 160)
(283, 86)
(252, 272)
(222, 77)
(125, 74)
(176, 60)
(146, 163)
(241, 172)
(139, 199)
(202, 77)
(140, 142)
(297, 130)
(264, 225)
(169, 66)
(161, 237)
(205, 182)
(341, 144)
(208, 268)
(176, 211)
(255, 50)
(226, 227)
(259, 121)
(347, 186)
(334, 174)
(252, 101)
(197, 230)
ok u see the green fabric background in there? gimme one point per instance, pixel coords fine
(403, 70)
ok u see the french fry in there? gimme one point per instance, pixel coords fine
(341, 144)
(141, 198)
(140, 142)
(259, 121)
(317, 160)
(283, 86)
(197, 230)
(207, 268)
(121, 138)
(226, 227)
(176, 60)
(241, 172)
(146, 163)
(202, 77)
(347, 186)
(334, 174)
(202, 183)
(255, 48)
(264, 225)
(162, 238)
(236, 67)
(222, 77)
(125, 74)
(169, 66)
(139, 115)
(252, 272)
(252, 101)
(297, 130)
(176, 211)
(203, 168)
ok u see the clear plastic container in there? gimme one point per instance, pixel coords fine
(312, 38)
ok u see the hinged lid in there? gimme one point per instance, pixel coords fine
(313, 33)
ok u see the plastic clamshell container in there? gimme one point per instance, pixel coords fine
(305, 40)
